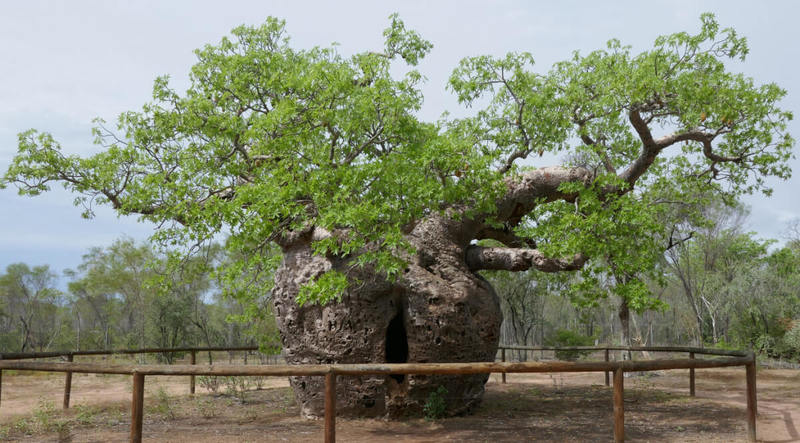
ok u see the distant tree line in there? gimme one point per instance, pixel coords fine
(122, 296)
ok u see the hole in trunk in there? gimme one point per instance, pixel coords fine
(397, 344)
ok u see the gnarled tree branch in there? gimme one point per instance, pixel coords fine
(519, 259)
(650, 149)
(534, 187)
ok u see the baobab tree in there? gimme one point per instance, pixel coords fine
(384, 221)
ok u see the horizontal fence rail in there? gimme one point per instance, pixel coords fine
(51, 354)
(377, 368)
(723, 358)
(706, 351)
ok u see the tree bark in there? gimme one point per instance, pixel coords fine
(438, 310)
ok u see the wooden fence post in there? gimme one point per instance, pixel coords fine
(503, 358)
(607, 372)
(68, 384)
(137, 408)
(619, 406)
(752, 406)
(191, 377)
(691, 377)
(330, 407)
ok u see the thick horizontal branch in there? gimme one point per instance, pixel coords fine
(524, 192)
(530, 188)
(519, 259)
(694, 135)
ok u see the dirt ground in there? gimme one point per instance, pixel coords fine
(536, 407)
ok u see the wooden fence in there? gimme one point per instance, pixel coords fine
(50, 354)
(70, 357)
(330, 372)
(630, 349)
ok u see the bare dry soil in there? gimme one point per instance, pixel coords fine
(537, 407)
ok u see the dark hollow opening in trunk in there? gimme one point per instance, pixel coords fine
(397, 344)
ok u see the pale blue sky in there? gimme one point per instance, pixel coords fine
(64, 63)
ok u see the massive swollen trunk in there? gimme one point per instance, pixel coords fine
(438, 311)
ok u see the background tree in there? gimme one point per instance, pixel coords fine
(323, 156)
(707, 266)
(524, 298)
(126, 295)
(29, 308)
(119, 275)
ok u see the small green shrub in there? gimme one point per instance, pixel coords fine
(436, 405)
(44, 414)
(85, 414)
(258, 381)
(237, 387)
(210, 383)
(786, 346)
(24, 426)
(792, 338)
(207, 408)
(567, 338)
(44, 419)
(724, 344)
(163, 404)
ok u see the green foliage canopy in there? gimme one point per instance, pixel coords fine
(269, 140)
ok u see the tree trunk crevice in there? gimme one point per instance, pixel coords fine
(438, 310)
